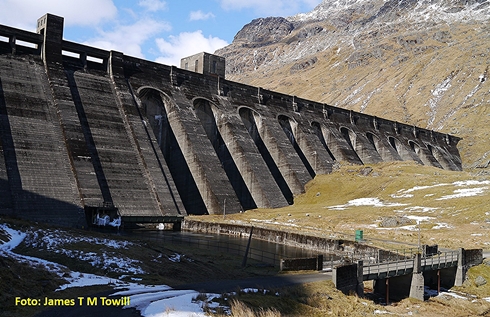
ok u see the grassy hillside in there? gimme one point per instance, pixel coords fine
(386, 201)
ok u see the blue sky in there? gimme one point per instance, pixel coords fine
(157, 30)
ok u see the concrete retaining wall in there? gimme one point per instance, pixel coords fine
(473, 257)
(299, 264)
(345, 278)
(283, 237)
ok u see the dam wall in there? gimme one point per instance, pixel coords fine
(86, 132)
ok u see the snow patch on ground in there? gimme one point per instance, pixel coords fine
(154, 301)
(15, 238)
(416, 188)
(420, 218)
(469, 191)
(54, 240)
(465, 192)
(375, 202)
(418, 209)
(442, 225)
(471, 183)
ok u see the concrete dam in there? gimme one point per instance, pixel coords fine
(89, 135)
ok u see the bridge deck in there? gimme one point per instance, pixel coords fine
(405, 266)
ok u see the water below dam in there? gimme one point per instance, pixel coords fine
(263, 252)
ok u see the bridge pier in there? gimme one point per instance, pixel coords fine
(460, 271)
(360, 282)
(417, 285)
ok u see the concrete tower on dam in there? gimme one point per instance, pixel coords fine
(89, 135)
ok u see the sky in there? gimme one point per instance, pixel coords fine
(156, 30)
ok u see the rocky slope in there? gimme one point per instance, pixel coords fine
(422, 62)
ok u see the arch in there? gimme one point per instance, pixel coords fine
(154, 109)
(442, 157)
(248, 116)
(199, 99)
(207, 111)
(285, 123)
(319, 133)
(351, 138)
(251, 119)
(384, 149)
(394, 143)
(424, 154)
(404, 153)
(375, 141)
(414, 146)
(338, 147)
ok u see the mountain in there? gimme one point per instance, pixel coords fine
(420, 62)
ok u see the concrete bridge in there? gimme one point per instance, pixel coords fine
(407, 276)
(88, 133)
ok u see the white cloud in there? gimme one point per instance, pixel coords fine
(271, 7)
(186, 44)
(128, 39)
(24, 13)
(199, 15)
(153, 5)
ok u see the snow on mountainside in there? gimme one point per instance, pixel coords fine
(389, 10)
(422, 62)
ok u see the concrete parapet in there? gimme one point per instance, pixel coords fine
(345, 278)
(298, 264)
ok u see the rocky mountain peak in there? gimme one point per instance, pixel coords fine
(263, 31)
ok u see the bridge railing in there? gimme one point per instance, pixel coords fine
(380, 256)
(405, 265)
(440, 260)
(387, 269)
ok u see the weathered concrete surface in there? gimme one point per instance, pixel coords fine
(417, 284)
(294, 239)
(158, 141)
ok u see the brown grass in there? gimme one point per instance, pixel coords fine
(458, 222)
(322, 299)
(239, 309)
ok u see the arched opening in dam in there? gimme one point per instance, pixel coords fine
(375, 142)
(323, 140)
(351, 138)
(250, 119)
(154, 110)
(285, 123)
(206, 112)
(440, 156)
(395, 144)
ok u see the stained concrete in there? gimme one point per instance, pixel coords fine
(160, 142)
